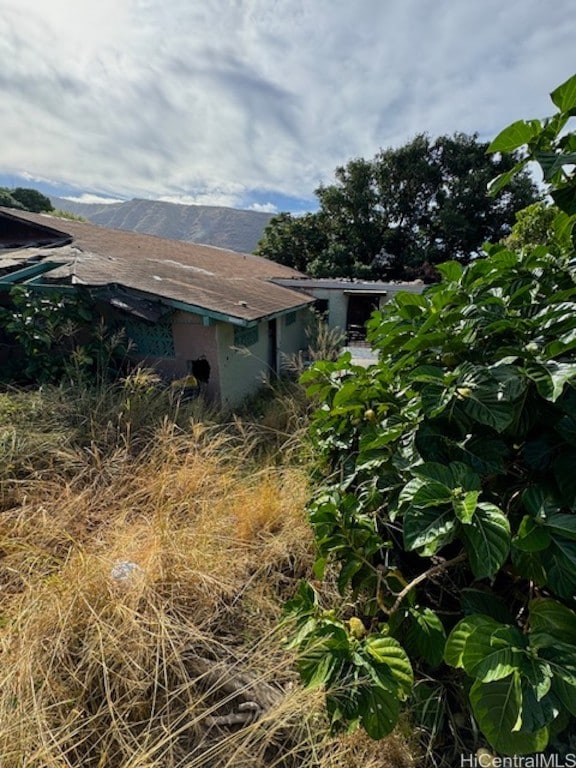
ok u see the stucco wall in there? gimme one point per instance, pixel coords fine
(242, 371)
(292, 337)
(193, 340)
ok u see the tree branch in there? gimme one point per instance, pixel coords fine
(438, 568)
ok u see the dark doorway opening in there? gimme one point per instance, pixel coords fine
(360, 307)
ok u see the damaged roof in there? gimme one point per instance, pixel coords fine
(205, 277)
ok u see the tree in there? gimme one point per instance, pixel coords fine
(407, 208)
(534, 226)
(8, 200)
(32, 200)
(446, 508)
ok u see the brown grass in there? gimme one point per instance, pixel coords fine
(102, 672)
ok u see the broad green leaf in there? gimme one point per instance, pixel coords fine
(487, 540)
(485, 602)
(487, 395)
(552, 162)
(538, 673)
(552, 617)
(566, 693)
(460, 635)
(512, 137)
(562, 524)
(564, 96)
(536, 713)
(428, 528)
(551, 377)
(425, 636)
(497, 707)
(561, 567)
(563, 224)
(493, 653)
(565, 199)
(465, 506)
(538, 502)
(319, 665)
(451, 271)
(528, 565)
(530, 536)
(378, 711)
(454, 475)
(503, 179)
(486, 455)
(388, 651)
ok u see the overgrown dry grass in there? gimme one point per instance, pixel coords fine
(175, 660)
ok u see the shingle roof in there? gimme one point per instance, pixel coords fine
(211, 278)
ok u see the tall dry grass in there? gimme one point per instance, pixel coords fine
(143, 567)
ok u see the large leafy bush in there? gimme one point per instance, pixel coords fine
(447, 509)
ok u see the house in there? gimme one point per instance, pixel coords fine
(188, 308)
(348, 304)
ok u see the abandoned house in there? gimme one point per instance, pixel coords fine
(348, 304)
(194, 309)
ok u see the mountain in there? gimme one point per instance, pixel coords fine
(231, 228)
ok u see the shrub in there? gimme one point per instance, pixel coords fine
(448, 502)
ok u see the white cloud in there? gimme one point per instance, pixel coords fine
(86, 197)
(205, 102)
(263, 207)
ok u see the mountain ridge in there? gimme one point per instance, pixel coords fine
(231, 228)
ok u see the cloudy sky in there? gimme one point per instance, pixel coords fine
(253, 103)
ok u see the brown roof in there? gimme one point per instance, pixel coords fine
(210, 278)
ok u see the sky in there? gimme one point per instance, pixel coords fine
(254, 103)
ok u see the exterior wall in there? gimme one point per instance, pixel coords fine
(194, 340)
(242, 371)
(292, 337)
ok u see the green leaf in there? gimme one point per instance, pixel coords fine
(487, 395)
(562, 524)
(497, 707)
(487, 540)
(465, 507)
(566, 693)
(531, 537)
(561, 567)
(503, 179)
(512, 137)
(428, 528)
(378, 712)
(320, 665)
(550, 616)
(425, 636)
(454, 475)
(492, 653)
(451, 271)
(485, 602)
(486, 455)
(388, 651)
(565, 199)
(458, 638)
(551, 377)
(564, 96)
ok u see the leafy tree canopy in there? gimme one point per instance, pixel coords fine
(7, 200)
(401, 213)
(32, 200)
(447, 509)
(25, 199)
